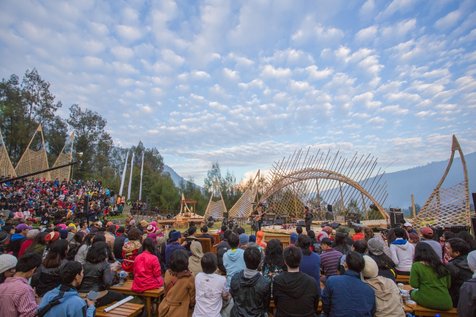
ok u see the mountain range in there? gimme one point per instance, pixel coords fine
(419, 181)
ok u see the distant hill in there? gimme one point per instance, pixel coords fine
(176, 178)
(422, 180)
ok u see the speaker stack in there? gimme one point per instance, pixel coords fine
(396, 217)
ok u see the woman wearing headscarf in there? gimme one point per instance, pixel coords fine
(194, 264)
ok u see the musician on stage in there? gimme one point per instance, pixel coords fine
(307, 218)
(257, 217)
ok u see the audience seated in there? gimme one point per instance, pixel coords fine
(427, 237)
(233, 260)
(194, 261)
(460, 272)
(147, 271)
(430, 279)
(386, 267)
(402, 252)
(273, 263)
(329, 259)
(294, 293)
(7, 266)
(467, 293)
(310, 262)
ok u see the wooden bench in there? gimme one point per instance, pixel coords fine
(125, 310)
(126, 289)
(421, 311)
(405, 279)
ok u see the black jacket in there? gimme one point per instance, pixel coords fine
(250, 295)
(96, 277)
(295, 294)
(467, 305)
(117, 248)
(460, 273)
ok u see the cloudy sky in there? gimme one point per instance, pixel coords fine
(245, 83)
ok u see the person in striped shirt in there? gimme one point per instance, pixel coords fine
(17, 297)
(329, 259)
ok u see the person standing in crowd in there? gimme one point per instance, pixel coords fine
(249, 289)
(17, 297)
(273, 263)
(147, 271)
(179, 287)
(387, 295)
(47, 276)
(233, 259)
(340, 288)
(402, 252)
(430, 279)
(295, 293)
(386, 267)
(467, 293)
(427, 237)
(460, 272)
(210, 289)
(64, 300)
(330, 259)
(7, 266)
(310, 261)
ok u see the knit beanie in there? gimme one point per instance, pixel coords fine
(63, 234)
(7, 262)
(244, 239)
(370, 269)
(375, 246)
(472, 262)
(252, 238)
(3, 236)
(294, 237)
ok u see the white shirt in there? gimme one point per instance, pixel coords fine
(208, 299)
(402, 255)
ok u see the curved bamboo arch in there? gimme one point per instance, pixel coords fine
(314, 173)
(431, 214)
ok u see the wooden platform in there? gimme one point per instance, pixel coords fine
(126, 289)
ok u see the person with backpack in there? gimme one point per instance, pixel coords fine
(64, 300)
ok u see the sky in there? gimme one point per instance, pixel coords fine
(245, 83)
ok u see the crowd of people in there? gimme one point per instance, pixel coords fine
(57, 261)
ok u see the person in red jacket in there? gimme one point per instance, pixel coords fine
(147, 274)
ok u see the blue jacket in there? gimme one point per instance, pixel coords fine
(311, 265)
(71, 305)
(234, 262)
(346, 295)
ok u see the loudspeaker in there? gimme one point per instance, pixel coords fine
(329, 208)
(396, 218)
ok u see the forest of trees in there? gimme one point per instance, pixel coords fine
(27, 102)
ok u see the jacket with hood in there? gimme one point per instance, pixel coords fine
(467, 303)
(16, 240)
(295, 294)
(194, 261)
(402, 254)
(147, 273)
(71, 305)
(233, 261)
(250, 295)
(387, 296)
(460, 273)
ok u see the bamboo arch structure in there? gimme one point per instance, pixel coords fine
(65, 157)
(6, 166)
(34, 160)
(322, 179)
(447, 206)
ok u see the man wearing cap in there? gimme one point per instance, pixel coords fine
(7, 266)
(18, 238)
(426, 234)
(409, 228)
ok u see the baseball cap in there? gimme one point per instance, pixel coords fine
(407, 224)
(426, 231)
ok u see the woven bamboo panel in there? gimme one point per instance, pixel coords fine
(64, 172)
(216, 209)
(6, 166)
(33, 161)
(244, 206)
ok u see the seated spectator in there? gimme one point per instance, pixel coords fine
(273, 259)
(179, 287)
(467, 293)
(460, 272)
(210, 289)
(324, 233)
(131, 249)
(17, 239)
(260, 239)
(360, 246)
(249, 289)
(387, 295)
(172, 245)
(98, 275)
(7, 266)
(341, 288)
(341, 243)
(293, 238)
(17, 297)
(402, 252)
(204, 231)
(369, 233)
(64, 300)
(310, 262)
(430, 279)
(47, 276)
(294, 293)
(222, 248)
(329, 259)
(84, 248)
(119, 243)
(358, 235)
(427, 237)
(30, 237)
(233, 260)
(147, 271)
(244, 240)
(194, 261)
(470, 240)
(386, 267)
